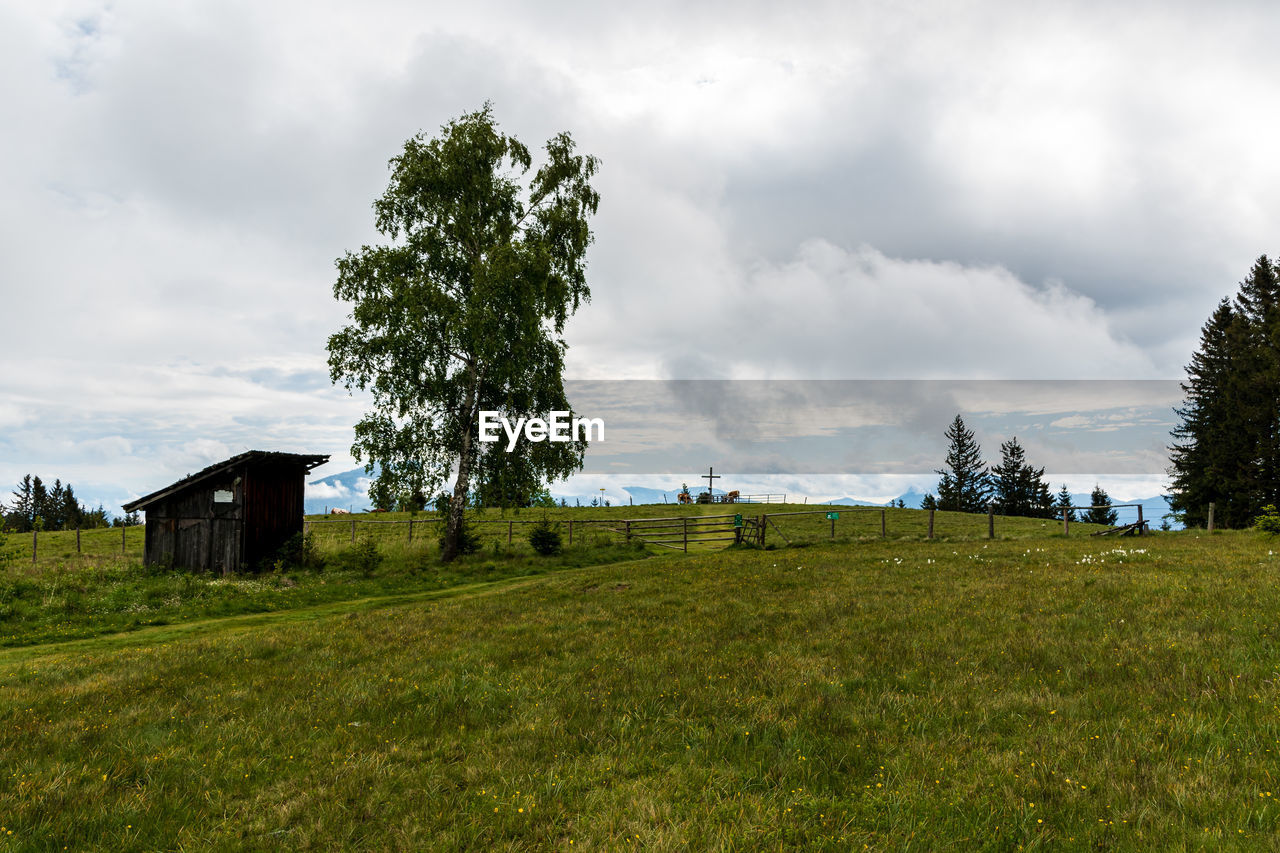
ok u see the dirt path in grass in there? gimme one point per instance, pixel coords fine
(203, 627)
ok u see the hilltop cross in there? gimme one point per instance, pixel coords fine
(709, 476)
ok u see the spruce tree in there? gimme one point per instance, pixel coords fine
(1226, 450)
(1064, 504)
(39, 504)
(1099, 511)
(22, 512)
(54, 506)
(965, 484)
(1258, 307)
(71, 513)
(1020, 489)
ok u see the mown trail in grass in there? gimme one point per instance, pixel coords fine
(1073, 693)
(154, 634)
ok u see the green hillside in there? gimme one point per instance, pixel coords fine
(1035, 693)
(101, 586)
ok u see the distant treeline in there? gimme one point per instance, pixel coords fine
(35, 506)
(1014, 486)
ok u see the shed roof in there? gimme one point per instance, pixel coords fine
(305, 461)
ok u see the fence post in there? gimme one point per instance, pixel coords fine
(882, 528)
(764, 519)
(411, 530)
(1066, 521)
(510, 526)
(930, 524)
(571, 531)
(353, 531)
(628, 531)
(991, 520)
(833, 528)
(685, 526)
(1140, 524)
(1210, 517)
(123, 528)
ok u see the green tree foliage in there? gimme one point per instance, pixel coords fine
(929, 502)
(21, 514)
(1063, 504)
(464, 309)
(1226, 449)
(1019, 488)
(50, 509)
(511, 479)
(1267, 522)
(1099, 511)
(544, 538)
(39, 504)
(965, 485)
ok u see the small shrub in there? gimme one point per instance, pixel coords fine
(1269, 521)
(299, 552)
(362, 557)
(544, 538)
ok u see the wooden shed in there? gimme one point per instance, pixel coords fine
(230, 516)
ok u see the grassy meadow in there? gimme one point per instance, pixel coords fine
(1032, 692)
(101, 586)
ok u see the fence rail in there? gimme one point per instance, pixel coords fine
(36, 534)
(680, 532)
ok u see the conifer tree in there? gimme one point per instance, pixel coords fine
(1019, 488)
(39, 503)
(70, 514)
(53, 507)
(965, 484)
(1226, 450)
(1064, 504)
(1099, 511)
(1258, 307)
(22, 512)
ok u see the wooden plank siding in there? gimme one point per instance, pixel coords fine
(188, 528)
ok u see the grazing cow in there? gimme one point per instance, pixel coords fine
(732, 497)
(684, 498)
(336, 511)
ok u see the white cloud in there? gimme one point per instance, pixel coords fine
(829, 190)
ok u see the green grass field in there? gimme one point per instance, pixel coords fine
(1033, 692)
(102, 587)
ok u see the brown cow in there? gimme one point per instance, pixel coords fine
(732, 497)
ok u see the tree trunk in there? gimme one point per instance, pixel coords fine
(458, 503)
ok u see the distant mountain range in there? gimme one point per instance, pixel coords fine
(349, 490)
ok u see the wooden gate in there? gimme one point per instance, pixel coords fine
(679, 533)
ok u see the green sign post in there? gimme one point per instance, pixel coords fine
(833, 516)
(737, 520)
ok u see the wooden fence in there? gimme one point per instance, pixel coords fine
(35, 539)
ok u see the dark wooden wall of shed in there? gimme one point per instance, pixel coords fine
(273, 507)
(189, 530)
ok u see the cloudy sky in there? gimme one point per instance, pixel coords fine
(974, 190)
